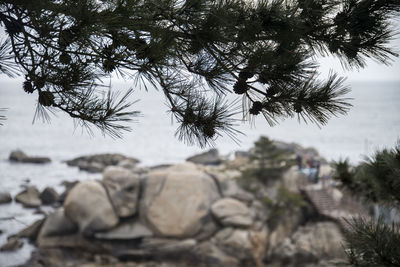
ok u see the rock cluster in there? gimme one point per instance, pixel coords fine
(173, 212)
(181, 215)
(97, 163)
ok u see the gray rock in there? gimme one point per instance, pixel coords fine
(310, 244)
(128, 163)
(31, 232)
(57, 224)
(323, 239)
(30, 197)
(98, 162)
(92, 167)
(87, 205)
(20, 156)
(123, 190)
(12, 244)
(232, 212)
(176, 201)
(228, 185)
(5, 198)
(17, 155)
(244, 245)
(210, 157)
(49, 196)
(131, 229)
(212, 255)
(168, 245)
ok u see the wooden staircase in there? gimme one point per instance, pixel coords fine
(321, 197)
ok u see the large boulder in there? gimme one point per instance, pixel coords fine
(68, 186)
(5, 197)
(232, 212)
(20, 156)
(123, 190)
(227, 180)
(210, 157)
(97, 163)
(49, 196)
(176, 201)
(87, 205)
(30, 197)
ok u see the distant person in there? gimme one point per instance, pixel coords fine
(299, 160)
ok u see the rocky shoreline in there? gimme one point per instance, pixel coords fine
(196, 213)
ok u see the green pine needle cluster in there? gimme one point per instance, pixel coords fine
(377, 179)
(196, 52)
(369, 242)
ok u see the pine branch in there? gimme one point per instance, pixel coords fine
(371, 243)
(264, 50)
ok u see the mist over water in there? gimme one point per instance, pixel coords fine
(372, 123)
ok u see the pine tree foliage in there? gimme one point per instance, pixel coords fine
(369, 242)
(269, 160)
(372, 243)
(196, 52)
(377, 179)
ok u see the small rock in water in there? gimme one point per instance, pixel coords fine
(12, 244)
(5, 197)
(29, 198)
(20, 156)
(49, 196)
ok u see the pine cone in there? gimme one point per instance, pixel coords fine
(46, 98)
(245, 74)
(28, 87)
(240, 87)
(13, 26)
(256, 108)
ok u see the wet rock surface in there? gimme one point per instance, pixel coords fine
(30, 197)
(5, 197)
(21, 157)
